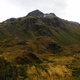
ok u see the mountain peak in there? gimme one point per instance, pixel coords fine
(36, 13)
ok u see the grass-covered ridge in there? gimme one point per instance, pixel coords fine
(62, 31)
(39, 48)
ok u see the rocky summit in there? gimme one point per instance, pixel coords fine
(39, 14)
(36, 13)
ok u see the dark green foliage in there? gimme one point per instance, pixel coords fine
(54, 46)
(23, 42)
(33, 57)
(22, 60)
(7, 70)
(76, 72)
(10, 71)
(1, 51)
(45, 59)
(27, 58)
(21, 72)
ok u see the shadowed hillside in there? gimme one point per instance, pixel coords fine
(62, 31)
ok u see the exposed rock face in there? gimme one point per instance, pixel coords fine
(39, 14)
(51, 15)
(10, 20)
(36, 13)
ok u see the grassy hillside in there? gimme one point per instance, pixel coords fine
(39, 48)
(62, 31)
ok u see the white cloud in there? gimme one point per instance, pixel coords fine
(45, 5)
(8, 11)
(68, 9)
(72, 12)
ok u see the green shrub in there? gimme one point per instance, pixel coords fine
(76, 72)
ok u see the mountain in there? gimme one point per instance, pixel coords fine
(38, 34)
(37, 24)
(39, 46)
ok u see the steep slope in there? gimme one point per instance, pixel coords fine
(62, 31)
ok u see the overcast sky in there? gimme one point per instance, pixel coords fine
(66, 9)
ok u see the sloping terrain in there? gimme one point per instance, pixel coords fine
(62, 31)
(39, 47)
